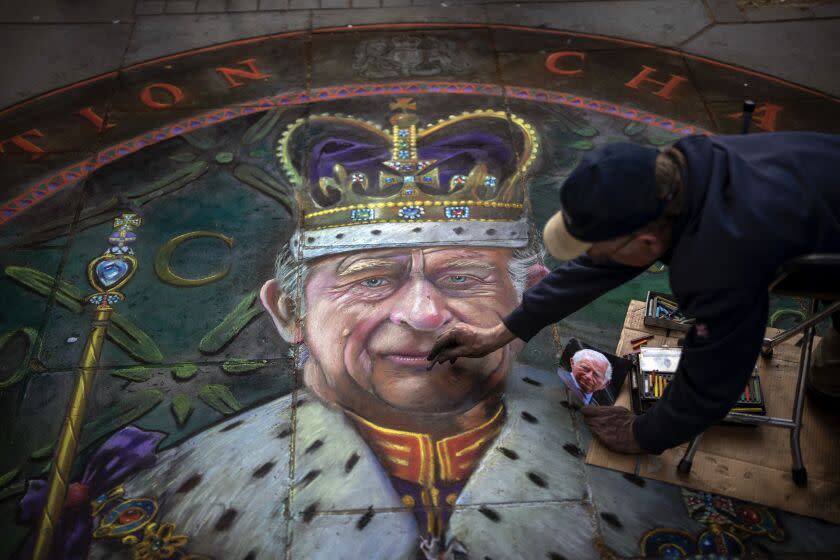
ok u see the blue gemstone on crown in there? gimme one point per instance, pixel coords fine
(111, 271)
(411, 212)
(361, 214)
(457, 212)
(408, 179)
(404, 132)
(404, 154)
(427, 178)
(490, 181)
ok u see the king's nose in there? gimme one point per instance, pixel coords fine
(422, 308)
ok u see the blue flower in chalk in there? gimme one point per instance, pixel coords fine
(411, 212)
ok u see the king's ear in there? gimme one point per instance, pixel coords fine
(281, 307)
(536, 272)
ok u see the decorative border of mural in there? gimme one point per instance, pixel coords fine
(71, 175)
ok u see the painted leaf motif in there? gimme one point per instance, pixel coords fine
(255, 177)
(133, 340)
(660, 137)
(122, 413)
(8, 477)
(41, 282)
(121, 331)
(582, 145)
(235, 321)
(172, 182)
(23, 369)
(138, 373)
(262, 127)
(219, 398)
(183, 157)
(184, 372)
(13, 490)
(635, 128)
(242, 365)
(199, 139)
(182, 407)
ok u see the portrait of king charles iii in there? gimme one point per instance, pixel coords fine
(405, 228)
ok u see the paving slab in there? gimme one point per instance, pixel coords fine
(659, 22)
(243, 5)
(205, 6)
(180, 6)
(274, 4)
(783, 49)
(53, 11)
(344, 18)
(150, 7)
(726, 11)
(156, 36)
(98, 48)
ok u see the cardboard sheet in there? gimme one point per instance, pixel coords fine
(751, 464)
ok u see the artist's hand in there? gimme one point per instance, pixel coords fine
(468, 341)
(613, 425)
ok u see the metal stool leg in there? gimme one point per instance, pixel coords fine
(815, 318)
(684, 466)
(798, 471)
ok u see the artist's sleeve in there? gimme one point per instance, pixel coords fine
(719, 354)
(566, 289)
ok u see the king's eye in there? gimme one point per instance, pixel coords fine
(374, 282)
(457, 279)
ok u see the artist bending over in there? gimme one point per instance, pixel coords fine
(723, 212)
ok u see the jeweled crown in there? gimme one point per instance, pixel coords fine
(467, 168)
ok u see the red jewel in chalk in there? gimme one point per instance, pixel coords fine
(130, 516)
(750, 515)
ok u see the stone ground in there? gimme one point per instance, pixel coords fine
(796, 41)
(195, 158)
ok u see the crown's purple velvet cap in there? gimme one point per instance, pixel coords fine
(455, 155)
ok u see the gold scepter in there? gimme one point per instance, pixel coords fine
(107, 273)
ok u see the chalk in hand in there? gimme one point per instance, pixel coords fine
(440, 347)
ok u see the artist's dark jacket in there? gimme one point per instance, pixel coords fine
(750, 203)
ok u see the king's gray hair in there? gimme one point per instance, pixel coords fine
(291, 273)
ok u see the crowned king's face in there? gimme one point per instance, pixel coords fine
(372, 317)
